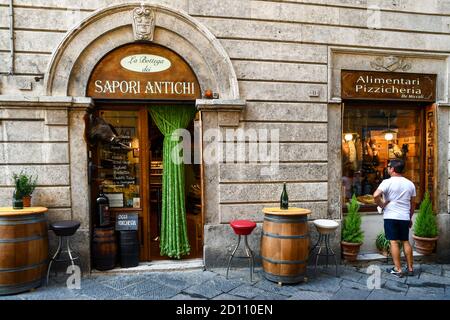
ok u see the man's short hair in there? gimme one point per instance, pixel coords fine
(398, 165)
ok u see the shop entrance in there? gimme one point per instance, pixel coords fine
(130, 174)
(144, 93)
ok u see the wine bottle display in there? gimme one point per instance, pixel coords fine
(284, 200)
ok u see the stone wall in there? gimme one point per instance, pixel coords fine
(282, 54)
(34, 138)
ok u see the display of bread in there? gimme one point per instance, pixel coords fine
(367, 199)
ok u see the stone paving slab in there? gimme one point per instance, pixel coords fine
(323, 283)
(384, 294)
(247, 291)
(424, 291)
(432, 269)
(431, 279)
(159, 293)
(272, 287)
(395, 286)
(140, 289)
(311, 295)
(203, 290)
(121, 282)
(351, 294)
(354, 285)
(226, 296)
(429, 283)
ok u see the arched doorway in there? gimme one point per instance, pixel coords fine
(109, 28)
(144, 91)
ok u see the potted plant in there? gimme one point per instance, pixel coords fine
(352, 234)
(383, 244)
(25, 185)
(425, 233)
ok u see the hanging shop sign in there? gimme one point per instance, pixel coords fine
(372, 85)
(143, 71)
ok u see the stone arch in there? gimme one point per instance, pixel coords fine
(106, 29)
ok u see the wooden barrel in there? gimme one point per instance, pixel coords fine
(284, 244)
(23, 249)
(104, 248)
(129, 249)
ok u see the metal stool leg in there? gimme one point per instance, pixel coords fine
(326, 247)
(57, 253)
(315, 246)
(232, 255)
(318, 254)
(249, 253)
(333, 254)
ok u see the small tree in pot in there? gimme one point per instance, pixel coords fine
(352, 234)
(25, 185)
(425, 228)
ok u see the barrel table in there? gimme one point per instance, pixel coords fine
(23, 249)
(285, 244)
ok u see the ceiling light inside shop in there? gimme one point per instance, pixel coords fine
(389, 136)
(348, 136)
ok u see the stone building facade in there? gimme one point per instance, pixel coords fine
(275, 65)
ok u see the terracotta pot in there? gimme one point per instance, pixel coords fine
(424, 246)
(350, 250)
(26, 201)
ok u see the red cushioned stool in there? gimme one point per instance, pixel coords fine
(243, 228)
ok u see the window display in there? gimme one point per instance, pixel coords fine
(118, 173)
(371, 136)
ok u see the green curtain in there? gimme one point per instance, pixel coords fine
(174, 239)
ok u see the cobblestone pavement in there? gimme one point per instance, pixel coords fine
(431, 281)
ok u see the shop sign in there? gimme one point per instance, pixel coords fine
(143, 71)
(145, 63)
(372, 85)
(126, 221)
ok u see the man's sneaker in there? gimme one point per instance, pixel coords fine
(395, 272)
(407, 272)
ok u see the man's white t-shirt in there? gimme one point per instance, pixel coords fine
(398, 191)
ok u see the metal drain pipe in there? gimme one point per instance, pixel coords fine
(11, 36)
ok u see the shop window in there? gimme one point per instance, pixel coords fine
(374, 134)
(118, 173)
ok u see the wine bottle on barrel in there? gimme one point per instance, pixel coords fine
(284, 201)
(103, 210)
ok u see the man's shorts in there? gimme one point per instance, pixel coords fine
(396, 229)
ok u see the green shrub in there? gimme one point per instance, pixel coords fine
(24, 184)
(425, 225)
(382, 243)
(351, 230)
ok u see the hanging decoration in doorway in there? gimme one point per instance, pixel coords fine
(174, 238)
(143, 23)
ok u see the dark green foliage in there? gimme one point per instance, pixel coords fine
(425, 225)
(24, 184)
(382, 243)
(351, 231)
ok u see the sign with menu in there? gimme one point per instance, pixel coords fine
(127, 221)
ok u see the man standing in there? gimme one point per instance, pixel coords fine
(398, 207)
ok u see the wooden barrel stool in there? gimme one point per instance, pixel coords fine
(63, 230)
(284, 244)
(243, 228)
(325, 227)
(23, 249)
